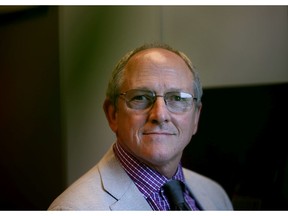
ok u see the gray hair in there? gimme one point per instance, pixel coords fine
(117, 78)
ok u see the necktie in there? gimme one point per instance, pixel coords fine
(174, 193)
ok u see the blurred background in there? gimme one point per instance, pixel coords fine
(55, 63)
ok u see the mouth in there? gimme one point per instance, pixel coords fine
(159, 133)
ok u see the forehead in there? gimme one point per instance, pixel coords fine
(157, 68)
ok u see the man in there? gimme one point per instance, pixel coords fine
(153, 106)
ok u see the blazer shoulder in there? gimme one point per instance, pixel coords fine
(84, 194)
(88, 192)
(105, 187)
(209, 194)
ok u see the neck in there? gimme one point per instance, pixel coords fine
(168, 172)
(167, 169)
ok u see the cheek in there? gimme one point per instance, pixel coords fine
(195, 121)
(186, 128)
(129, 126)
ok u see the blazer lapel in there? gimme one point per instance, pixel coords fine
(132, 199)
(118, 184)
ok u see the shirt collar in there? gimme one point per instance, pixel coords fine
(147, 180)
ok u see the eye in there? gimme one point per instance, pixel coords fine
(174, 97)
(140, 98)
(141, 101)
(178, 96)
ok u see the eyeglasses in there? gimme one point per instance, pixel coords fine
(177, 102)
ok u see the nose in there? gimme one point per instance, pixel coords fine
(159, 112)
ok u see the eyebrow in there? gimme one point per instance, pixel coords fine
(169, 90)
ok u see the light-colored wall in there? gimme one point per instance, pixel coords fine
(232, 45)
(229, 45)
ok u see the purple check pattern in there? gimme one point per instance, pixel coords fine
(149, 181)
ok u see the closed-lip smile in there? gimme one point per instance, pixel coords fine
(158, 133)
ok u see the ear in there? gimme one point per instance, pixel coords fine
(111, 114)
(197, 113)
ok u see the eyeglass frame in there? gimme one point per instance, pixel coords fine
(154, 97)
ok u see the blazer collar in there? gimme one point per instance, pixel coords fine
(117, 183)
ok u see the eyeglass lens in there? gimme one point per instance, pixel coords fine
(144, 99)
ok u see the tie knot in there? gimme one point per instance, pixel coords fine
(173, 190)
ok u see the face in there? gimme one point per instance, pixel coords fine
(155, 136)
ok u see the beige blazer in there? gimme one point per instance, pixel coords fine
(108, 187)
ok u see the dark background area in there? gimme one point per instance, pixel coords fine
(242, 144)
(32, 159)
